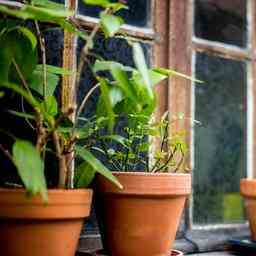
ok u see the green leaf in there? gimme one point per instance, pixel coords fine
(21, 114)
(115, 95)
(17, 45)
(106, 4)
(110, 24)
(169, 72)
(55, 70)
(47, 14)
(107, 65)
(123, 82)
(50, 106)
(36, 81)
(140, 62)
(84, 175)
(96, 165)
(117, 138)
(29, 35)
(48, 4)
(101, 3)
(104, 107)
(2, 94)
(18, 89)
(30, 167)
(143, 147)
(86, 131)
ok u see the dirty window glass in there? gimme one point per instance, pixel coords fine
(224, 21)
(220, 161)
(138, 13)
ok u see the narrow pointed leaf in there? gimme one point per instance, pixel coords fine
(96, 165)
(30, 168)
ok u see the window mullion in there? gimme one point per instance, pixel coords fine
(220, 49)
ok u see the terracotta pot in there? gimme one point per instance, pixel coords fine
(173, 253)
(248, 191)
(28, 227)
(142, 219)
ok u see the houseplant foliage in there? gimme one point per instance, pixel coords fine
(155, 180)
(25, 74)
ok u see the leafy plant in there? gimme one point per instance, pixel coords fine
(126, 92)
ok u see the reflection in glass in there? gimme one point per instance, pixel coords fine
(138, 13)
(221, 20)
(220, 140)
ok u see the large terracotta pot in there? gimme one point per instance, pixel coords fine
(172, 253)
(142, 219)
(29, 227)
(248, 191)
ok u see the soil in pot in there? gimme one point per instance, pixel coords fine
(29, 227)
(142, 219)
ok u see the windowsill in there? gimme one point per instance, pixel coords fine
(203, 243)
(214, 254)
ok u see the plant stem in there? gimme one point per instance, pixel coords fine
(62, 161)
(23, 80)
(6, 152)
(87, 96)
(162, 147)
(43, 51)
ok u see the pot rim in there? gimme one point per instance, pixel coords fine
(147, 184)
(178, 253)
(62, 204)
(138, 173)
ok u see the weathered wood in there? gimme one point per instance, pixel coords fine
(68, 90)
(252, 93)
(220, 49)
(180, 90)
(140, 33)
(160, 51)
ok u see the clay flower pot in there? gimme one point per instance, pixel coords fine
(29, 227)
(248, 191)
(173, 253)
(141, 219)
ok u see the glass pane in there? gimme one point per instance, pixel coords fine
(137, 15)
(220, 105)
(221, 20)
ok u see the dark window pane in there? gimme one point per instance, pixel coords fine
(221, 20)
(220, 105)
(137, 15)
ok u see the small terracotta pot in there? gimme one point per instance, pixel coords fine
(173, 253)
(248, 191)
(141, 219)
(29, 227)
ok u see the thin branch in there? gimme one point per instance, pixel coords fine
(84, 52)
(62, 161)
(43, 51)
(87, 96)
(7, 153)
(23, 80)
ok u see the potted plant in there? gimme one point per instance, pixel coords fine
(143, 217)
(34, 220)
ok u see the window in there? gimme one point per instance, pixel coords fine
(214, 40)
